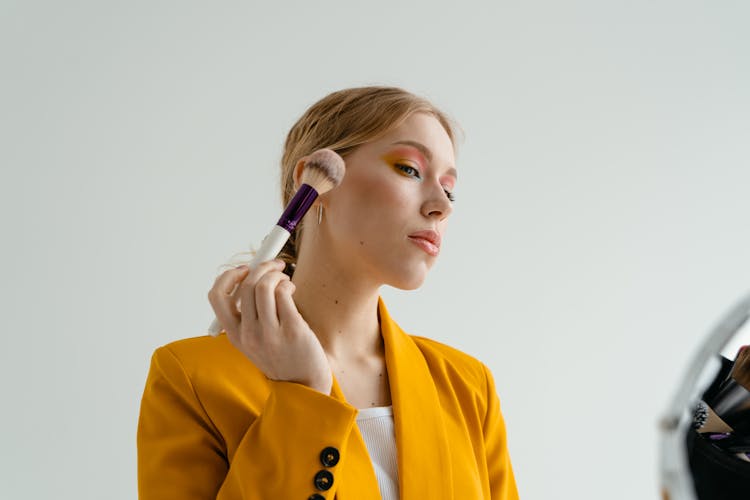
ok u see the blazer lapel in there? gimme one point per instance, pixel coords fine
(421, 440)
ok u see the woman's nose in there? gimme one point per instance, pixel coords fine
(437, 203)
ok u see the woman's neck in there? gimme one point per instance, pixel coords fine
(342, 312)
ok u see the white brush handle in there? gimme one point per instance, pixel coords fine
(269, 249)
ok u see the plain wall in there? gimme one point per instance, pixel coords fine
(600, 227)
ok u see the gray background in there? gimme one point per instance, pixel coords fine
(600, 228)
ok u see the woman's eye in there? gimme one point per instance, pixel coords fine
(408, 170)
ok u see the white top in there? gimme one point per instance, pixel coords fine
(376, 427)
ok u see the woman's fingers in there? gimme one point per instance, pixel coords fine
(286, 307)
(265, 299)
(246, 293)
(222, 298)
(267, 327)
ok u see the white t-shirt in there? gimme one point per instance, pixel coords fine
(376, 427)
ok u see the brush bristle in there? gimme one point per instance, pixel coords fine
(741, 368)
(324, 170)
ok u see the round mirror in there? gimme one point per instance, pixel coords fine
(705, 433)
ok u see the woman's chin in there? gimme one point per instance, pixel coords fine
(409, 281)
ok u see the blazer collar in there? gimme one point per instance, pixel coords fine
(421, 440)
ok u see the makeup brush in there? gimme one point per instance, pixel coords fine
(705, 420)
(732, 401)
(323, 171)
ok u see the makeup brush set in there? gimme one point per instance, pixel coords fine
(705, 434)
(719, 446)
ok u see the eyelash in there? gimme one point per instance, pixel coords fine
(413, 172)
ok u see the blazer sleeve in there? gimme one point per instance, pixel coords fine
(502, 481)
(182, 454)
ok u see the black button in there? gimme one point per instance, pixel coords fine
(323, 480)
(316, 496)
(329, 457)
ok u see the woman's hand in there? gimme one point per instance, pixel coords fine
(267, 327)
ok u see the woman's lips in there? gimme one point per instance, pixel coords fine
(429, 241)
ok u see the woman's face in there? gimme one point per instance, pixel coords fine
(385, 220)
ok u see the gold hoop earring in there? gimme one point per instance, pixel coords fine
(320, 213)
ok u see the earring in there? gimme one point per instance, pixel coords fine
(320, 213)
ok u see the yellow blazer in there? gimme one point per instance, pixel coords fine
(213, 426)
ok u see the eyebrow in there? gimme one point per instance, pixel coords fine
(426, 152)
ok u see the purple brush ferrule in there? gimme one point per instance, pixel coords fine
(297, 207)
(718, 436)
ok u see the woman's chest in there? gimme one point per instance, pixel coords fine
(364, 385)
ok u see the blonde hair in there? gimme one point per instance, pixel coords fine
(341, 121)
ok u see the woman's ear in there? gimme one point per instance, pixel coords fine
(298, 168)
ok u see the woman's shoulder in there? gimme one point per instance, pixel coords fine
(206, 358)
(201, 349)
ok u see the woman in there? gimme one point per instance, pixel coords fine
(314, 391)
